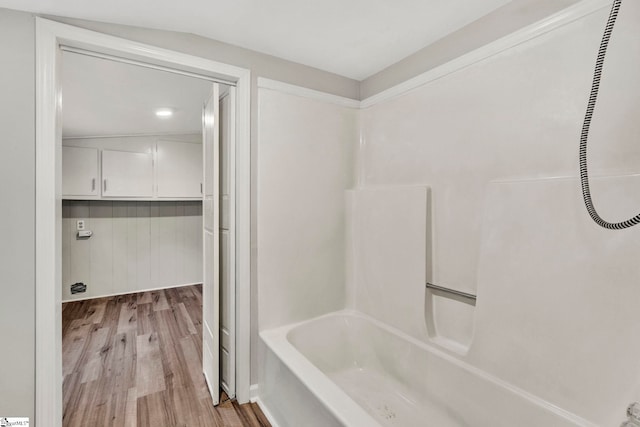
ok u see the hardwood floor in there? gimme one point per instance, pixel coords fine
(136, 360)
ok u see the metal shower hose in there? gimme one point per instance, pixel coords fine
(595, 86)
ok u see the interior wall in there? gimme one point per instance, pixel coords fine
(307, 151)
(17, 250)
(136, 246)
(261, 65)
(17, 82)
(556, 294)
(407, 137)
(515, 115)
(499, 23)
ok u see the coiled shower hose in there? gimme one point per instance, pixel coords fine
(595, 87)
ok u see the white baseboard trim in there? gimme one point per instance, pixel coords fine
(132, 292)
(253, 393)
(267, 413)
(208, 383)
(304, 92)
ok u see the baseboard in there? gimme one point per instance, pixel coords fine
(208, 384)
(266, 413)
(132, 292)
(253, 393)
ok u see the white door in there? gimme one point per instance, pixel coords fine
(227, 244)
(211, 237)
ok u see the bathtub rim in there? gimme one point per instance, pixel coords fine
(329, 394)
(335, 400)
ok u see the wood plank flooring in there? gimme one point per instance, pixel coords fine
(136, 361)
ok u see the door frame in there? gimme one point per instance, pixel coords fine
(50, 35)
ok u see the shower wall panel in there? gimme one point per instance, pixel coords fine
(516, 116)
(305, 163)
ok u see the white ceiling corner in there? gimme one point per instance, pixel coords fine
(354, 38)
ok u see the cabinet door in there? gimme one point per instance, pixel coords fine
(127, 174)
(179, 169)
(79, 171)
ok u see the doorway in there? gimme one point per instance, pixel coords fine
(50, 37)
(139, 162)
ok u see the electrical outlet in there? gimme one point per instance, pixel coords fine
(80, 225)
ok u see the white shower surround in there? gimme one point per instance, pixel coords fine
(366, 373)
(511, 116)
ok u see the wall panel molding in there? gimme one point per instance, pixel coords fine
(136, 246)
(307, 93)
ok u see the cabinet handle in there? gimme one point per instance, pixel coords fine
(93, 184)
(105, 185)
(201, 192)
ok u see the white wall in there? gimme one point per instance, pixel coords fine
(307, 153)
(17, 148)
(135, 246)
(515, 115)
(261, 65)
(532, 112)
(307, 150)
(17, 192)
(557, 296)
(499, 23)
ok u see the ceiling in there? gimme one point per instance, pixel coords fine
(102, 97)
(353, 38)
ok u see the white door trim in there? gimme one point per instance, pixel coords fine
(49, 36)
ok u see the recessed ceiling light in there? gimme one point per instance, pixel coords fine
(164, 112)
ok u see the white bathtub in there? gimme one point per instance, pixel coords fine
(347, 369)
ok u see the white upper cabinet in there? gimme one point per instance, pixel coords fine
(179, 170)
(127, 174)
(152, 169)
(80, 172)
